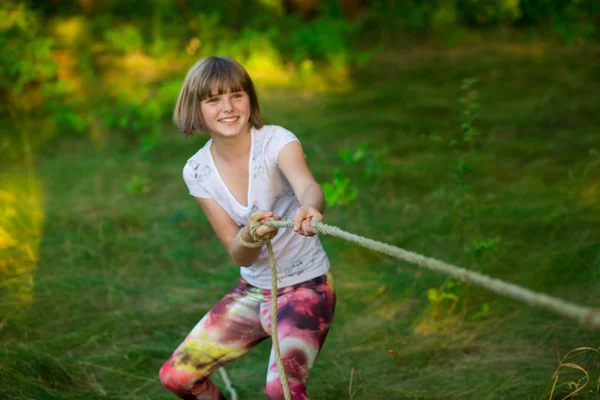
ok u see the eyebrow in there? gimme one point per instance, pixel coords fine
(218, 94)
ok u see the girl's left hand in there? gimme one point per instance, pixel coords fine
(302, 220)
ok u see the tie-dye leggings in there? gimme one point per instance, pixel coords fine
(241, 320)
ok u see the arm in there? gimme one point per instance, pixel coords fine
(292, 163)
(227, 231)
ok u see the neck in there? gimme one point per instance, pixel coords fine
(232, 149)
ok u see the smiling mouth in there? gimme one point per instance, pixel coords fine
(230, 119)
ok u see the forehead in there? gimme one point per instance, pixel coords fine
(220, 82)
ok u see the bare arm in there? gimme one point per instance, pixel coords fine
(292, 163)
(227, 231)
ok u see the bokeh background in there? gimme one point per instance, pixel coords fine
(465, 130)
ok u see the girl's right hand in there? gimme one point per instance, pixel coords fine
(263, 232)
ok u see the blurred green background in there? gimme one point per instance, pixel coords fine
(465, 130)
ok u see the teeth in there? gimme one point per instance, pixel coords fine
(229, 119)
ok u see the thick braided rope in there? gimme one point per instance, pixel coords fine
(585, 316)
(282, 376)
(258, 243)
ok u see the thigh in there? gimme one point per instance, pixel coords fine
(305, 313)
(227, 331)
(306, 310)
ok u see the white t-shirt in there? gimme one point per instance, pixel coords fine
(298, 258)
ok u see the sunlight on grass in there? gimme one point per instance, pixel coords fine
(97, 132)
(21, 223)
(10, 17)
(273, 4)
(266, 65)
(431, 325)
(536, 51)
(134, 73)
(67, 61)
(70, 31)
(129, 74)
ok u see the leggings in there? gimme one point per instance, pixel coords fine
(241, 320)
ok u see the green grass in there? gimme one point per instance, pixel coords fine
(114, 278)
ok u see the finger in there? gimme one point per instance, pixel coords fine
(306, 227)
(259, 215)
(264, 231)
(298, 219)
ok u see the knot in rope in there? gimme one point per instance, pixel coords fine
(253, 227)
(258, 241)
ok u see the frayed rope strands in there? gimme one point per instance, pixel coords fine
(585, 316)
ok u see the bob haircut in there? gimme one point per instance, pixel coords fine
(210, 73)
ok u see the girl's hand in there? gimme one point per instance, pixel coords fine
(263, 232)
(302, 220)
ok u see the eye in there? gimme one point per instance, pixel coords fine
(238, 95)
(212, 100)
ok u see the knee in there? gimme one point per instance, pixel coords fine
(274, 390)
(187, 383)
(174, 379)
(166, 376)
(296, 374)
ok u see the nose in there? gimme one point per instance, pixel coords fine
(227, 105)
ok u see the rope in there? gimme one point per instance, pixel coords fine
(585, 316)
(258, 242)
(228, 385)
(282, 376)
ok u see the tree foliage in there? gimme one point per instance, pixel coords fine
(115, 65)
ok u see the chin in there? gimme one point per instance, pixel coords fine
(235, 131)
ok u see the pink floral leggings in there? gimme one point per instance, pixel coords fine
(241, 320)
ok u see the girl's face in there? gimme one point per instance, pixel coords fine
(227, 114)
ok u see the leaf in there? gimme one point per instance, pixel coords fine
(432, 295)
(345, 155)
(449, 296)
(483, 312)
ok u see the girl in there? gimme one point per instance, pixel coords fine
(246, 174)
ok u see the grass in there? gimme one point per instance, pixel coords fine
(117, 272)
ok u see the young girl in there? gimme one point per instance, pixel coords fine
(246, 174)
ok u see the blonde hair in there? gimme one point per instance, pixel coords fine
(209, 73)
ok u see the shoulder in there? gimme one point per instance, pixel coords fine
(274, 139)
(269, 131)
(199, 161)
(275, 135)
(276, 130)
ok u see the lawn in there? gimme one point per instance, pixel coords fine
(107, 262)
